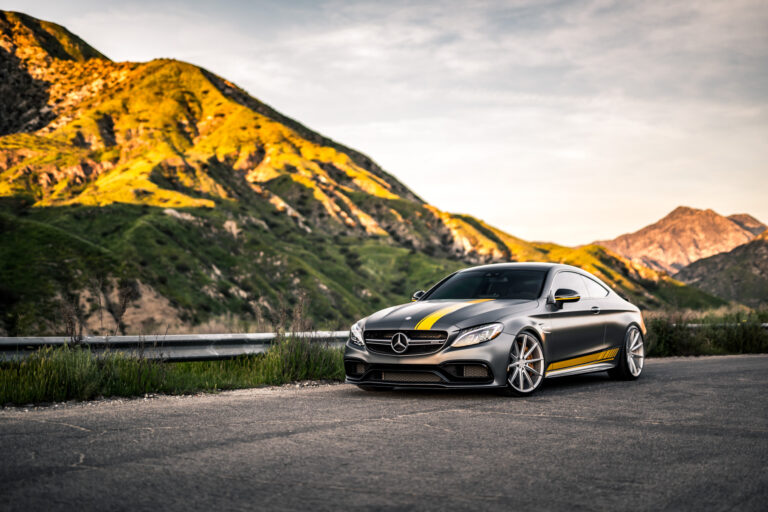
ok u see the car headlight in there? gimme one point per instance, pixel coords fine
(356, 334)
(475, 335)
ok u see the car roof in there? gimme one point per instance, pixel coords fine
(534, 265)
(528, 265)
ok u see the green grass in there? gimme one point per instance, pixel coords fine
(67, 373)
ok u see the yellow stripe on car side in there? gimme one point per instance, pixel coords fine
(428, 321)
(599, 357)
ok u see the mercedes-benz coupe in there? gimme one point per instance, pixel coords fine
(507, 326)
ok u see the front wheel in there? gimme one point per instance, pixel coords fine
(525, 372)
(631, 357)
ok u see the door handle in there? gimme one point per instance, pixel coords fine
(595, 310)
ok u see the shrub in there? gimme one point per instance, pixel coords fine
(681, 335)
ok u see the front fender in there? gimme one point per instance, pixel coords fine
(517, 325)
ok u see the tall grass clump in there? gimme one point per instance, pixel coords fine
(296, 358)
(66, 373)
(75, 373)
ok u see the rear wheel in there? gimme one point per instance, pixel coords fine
(525, 372)
(631, 356)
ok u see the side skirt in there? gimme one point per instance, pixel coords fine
(598, 367)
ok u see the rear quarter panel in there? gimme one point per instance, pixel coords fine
(619, 314)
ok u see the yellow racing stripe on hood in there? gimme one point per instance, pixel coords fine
(428, 321)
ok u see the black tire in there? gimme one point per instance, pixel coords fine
(623, 369)
(538, 364)
(375, 388)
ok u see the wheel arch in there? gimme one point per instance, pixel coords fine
(634, 323)
(529, 326)
(531, 330)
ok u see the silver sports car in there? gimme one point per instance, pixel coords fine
(507, 326)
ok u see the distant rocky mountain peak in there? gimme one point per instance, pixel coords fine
(683, 236)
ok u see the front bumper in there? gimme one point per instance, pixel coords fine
(477, 366)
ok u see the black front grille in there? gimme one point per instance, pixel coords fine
(410, 377)
(420, 342)
(413, 335)
(413, 350)
(461, 372)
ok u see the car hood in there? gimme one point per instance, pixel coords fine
(444, 315)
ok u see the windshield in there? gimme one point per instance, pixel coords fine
(491, 284)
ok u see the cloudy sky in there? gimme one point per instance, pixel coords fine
(554, 120)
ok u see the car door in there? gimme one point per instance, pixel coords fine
(575, 328)
(610, 312)
(599, 297)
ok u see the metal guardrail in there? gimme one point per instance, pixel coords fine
(701, 326)
(169, 347)
(183, 347)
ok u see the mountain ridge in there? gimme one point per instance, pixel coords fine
(748, 222)
(169, 187)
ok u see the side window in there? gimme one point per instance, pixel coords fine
(595, 290)
(571, 281)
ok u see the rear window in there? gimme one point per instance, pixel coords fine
(491, 284)
(594, 289)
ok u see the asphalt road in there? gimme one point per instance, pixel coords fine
(691, 434)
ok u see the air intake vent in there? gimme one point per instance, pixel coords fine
(468, 371)
(410, 377)
(354, 368)
(475, 371)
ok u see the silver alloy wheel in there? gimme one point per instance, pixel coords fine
(635, 351)
(526, 367)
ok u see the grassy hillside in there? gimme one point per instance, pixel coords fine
(149, 196)
(740, 275)
(149, 269)
(202, 263)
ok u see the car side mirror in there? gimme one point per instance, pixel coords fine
(417, 295)
(563, 295)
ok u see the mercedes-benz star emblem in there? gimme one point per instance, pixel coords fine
(399, 343)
